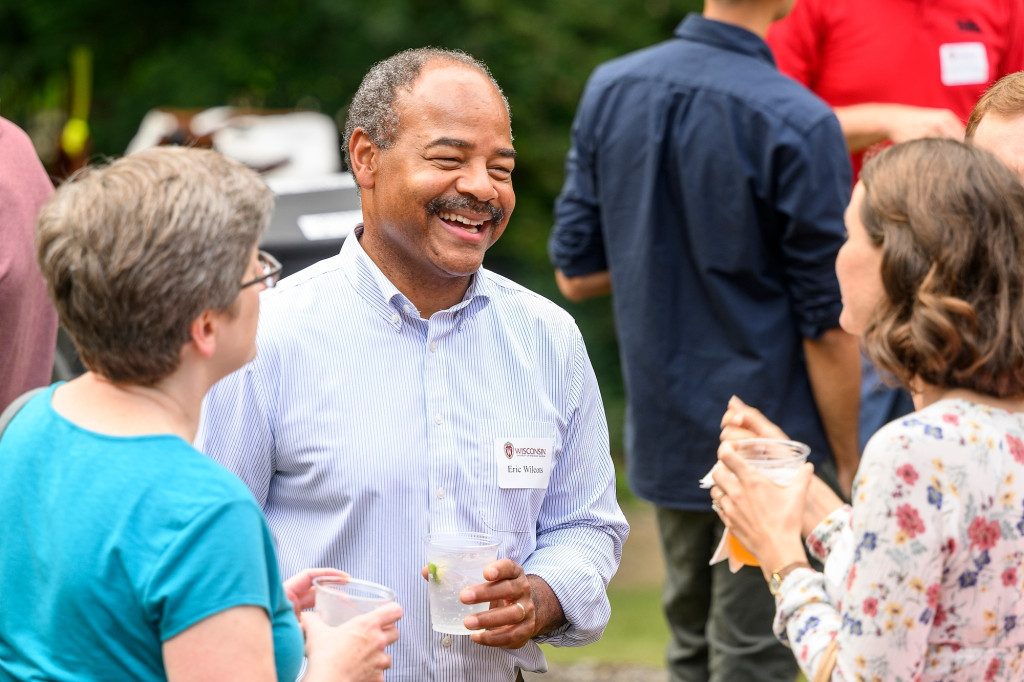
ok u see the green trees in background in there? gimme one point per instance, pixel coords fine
(284, 54)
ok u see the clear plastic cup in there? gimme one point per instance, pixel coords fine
(339, 599)
(456, 561)
(779, 460)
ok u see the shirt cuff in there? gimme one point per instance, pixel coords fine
(801, 587)
(580, 591)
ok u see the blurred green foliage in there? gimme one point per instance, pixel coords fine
(312, 54)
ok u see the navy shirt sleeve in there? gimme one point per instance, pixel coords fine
(576, 245)
(813, 187)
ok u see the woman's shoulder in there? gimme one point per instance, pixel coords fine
(949, 433)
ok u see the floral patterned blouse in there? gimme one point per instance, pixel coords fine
(923, 576)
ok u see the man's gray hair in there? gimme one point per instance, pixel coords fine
(373, 107)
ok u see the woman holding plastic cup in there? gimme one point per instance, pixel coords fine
(127, 554)
(922, 574)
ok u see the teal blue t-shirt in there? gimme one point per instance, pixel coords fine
(110, 546)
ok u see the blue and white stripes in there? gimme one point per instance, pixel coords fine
(361, 427)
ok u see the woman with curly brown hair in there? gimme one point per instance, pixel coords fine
(922, 574)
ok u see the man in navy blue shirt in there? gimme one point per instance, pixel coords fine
(707, 191)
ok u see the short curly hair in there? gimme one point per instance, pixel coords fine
(134, 251)
(373, 106)
(949, 219)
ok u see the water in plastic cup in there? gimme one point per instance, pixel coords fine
(779, 460)
(456, 561)
(339, 599)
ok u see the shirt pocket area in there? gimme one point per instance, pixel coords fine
(510, 510)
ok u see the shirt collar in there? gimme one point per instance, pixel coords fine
(724, 36)
(385, 298)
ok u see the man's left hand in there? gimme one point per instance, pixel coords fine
(518, 604)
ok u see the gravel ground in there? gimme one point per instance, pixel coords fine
(598, 672)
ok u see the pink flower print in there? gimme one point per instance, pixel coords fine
(851, 576)
(1010, 576)
(951, 419)
(870, 606)
(815, 545)
(1016, 448)
(983, 534)
(993, 668)
(910, 521)
(908, 474)
(933, 595)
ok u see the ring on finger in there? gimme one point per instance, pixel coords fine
(715, 507)
(521, 608)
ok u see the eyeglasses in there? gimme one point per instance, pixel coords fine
(271, 271)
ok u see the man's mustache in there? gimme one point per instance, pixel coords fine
(451, 204)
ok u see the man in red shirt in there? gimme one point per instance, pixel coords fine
(895, 70)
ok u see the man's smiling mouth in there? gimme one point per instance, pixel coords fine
(451, 209)
(468, 224)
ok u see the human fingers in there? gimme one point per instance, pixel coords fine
(743, 417)
(299, 587)
(353, 651)
(386, 616)
(506, 580)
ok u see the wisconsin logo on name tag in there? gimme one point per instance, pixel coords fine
(523, 462)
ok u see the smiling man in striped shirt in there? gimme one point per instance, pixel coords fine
(401, 389)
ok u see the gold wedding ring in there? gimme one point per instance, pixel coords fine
(523, 609)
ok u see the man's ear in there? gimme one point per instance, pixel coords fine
(203, 333)
(364, 156)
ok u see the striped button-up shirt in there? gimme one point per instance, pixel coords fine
(360, 427)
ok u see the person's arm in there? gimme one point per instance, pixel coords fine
(584, 287)
(883, 599)
(576, 244)
(580, 528)
(833, 365)
(869, 123)
(235, 644)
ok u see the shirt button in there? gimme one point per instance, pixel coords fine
(394, 318)
(438, 419)
(408, 308)
(446, 641)
(433, 346)
(440, 493)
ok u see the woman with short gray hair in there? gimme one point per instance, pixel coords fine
(137, 557)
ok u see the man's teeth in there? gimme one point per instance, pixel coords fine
(472, 226)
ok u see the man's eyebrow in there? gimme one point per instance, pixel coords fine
(464, 144)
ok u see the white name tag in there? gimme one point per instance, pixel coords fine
(963, 63)
(523, 462)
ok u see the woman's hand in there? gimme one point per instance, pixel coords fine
(299, 588)
(354, 650)
(743, 421)
(762, 515)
